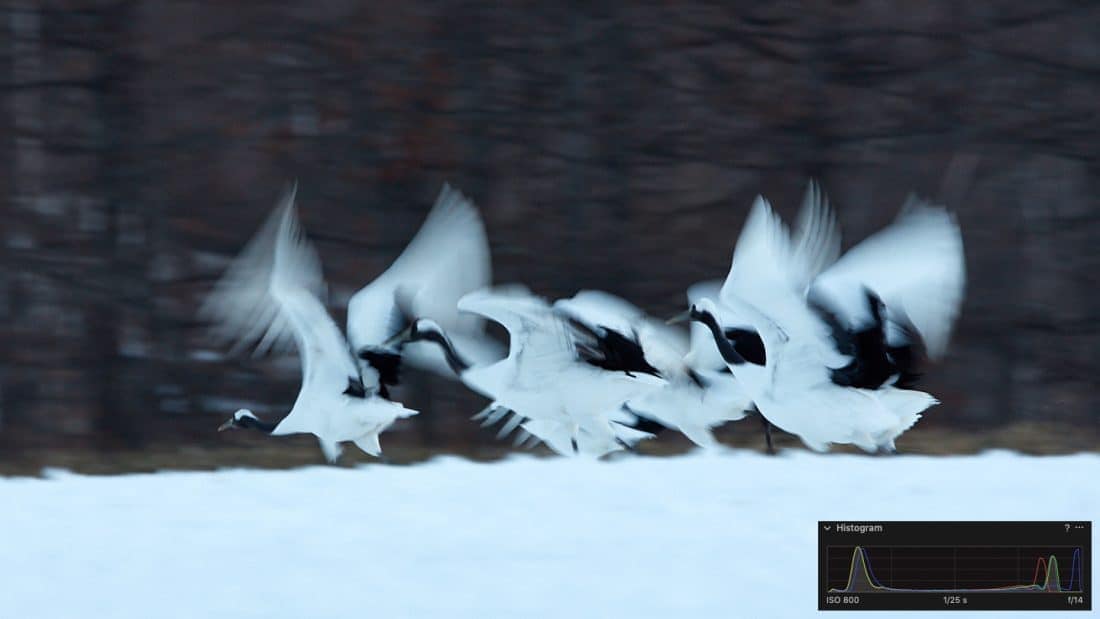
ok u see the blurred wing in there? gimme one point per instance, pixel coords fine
(448, 258)
(915, 265)
(512, 421)
(665, 347)
(816, 241)
(240, 309)
(266, 299)
(597, 309)
(766, 284)
(605, 330)
(760, 259)
(539, 341)
(327, 364)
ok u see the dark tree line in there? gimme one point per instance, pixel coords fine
(609, 145)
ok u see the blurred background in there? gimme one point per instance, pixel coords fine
(608, 145)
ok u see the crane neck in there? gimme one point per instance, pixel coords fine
(457, 363)
(725, 347)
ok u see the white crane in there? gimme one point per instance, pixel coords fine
(269, 297)
(566, 393)
(699, 392)
(448, 258)
(840, 340)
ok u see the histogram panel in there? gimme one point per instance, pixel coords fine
(954, 565)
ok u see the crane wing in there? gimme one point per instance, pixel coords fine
(915, 265)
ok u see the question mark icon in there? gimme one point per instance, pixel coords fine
(1067, 527)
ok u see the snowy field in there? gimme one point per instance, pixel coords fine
(729, 534)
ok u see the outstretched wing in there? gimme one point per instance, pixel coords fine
(816, 240)
(600, 310)
(606, 331)
(769, 273)
(767, 286)
(327, 364)
(239, 309)
(448, 258)
(915, 265)
(269, 297)
(540, 344)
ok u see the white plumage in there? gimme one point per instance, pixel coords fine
(269, 297)
(769, 278)
(694, 397)
(448, 258)
(916, 265)
(822, 345)
(571, 405)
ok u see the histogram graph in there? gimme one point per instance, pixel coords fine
(954, 565)
(955, 569)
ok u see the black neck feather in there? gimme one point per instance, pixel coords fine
(457, 363)
(725, 348)
(253, 423)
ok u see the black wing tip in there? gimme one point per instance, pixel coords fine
(616, 352)
(355, 388)
(643, 423)
(386, 363)
(748, 344)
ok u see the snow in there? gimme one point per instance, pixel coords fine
(729, 534)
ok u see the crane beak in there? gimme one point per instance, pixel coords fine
(226, 426)
(678, 318)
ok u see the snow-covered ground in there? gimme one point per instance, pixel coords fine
(727, 534)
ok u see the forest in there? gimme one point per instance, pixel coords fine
(615, 146)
